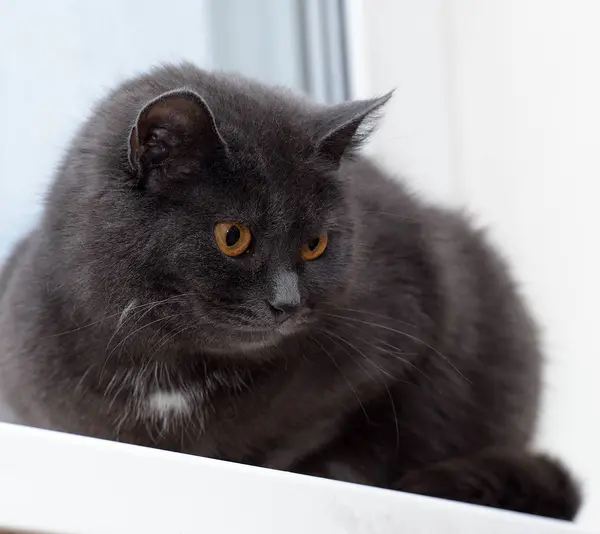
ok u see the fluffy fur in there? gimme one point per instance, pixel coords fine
(402, 357)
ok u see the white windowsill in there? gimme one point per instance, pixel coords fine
(65, 484)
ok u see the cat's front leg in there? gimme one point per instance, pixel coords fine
(513, 480)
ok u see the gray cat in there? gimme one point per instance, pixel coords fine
(217, 271)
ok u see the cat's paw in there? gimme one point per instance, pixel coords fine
(518, 481)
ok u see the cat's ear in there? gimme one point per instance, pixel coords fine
(174, 124)
(347, 126)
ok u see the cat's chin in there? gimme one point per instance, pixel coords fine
(251, 342)
(233, 346)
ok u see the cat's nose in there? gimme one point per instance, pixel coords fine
(285, 296)
(282, 310)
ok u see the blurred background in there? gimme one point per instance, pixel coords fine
(497, 110)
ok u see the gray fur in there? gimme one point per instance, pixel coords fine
(410, 346)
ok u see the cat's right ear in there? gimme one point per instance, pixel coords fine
(345, 127)
(176, 124)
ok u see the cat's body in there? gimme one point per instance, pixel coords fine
(407, 350)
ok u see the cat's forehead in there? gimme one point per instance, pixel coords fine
(283, 201)
(272, 142)
(274, 171)
(286, 194)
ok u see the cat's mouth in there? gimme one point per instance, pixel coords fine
(229, 341)
(255, 338)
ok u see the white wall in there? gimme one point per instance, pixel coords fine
(398, 44)
(502, 98)
(56, 59)
(261, 38)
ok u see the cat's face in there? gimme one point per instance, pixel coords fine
(244, 255)
(239, 243)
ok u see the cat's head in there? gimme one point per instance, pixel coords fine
(225, 209)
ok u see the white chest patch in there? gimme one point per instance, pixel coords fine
(168, 405)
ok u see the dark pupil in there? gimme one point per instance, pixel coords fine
(233, 236)
(313, 244)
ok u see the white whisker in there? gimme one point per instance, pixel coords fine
(409, 336)
(342, 374)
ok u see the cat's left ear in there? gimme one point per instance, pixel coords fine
(347, 126)
(176, 123)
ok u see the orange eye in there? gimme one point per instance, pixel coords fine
(312, 249)
(232, 239)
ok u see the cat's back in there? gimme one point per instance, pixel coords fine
(441, 243)
(433, 268)
(395, 219)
